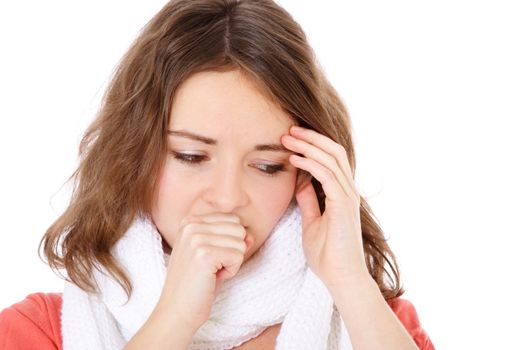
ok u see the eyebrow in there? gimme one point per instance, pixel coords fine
(209, 141)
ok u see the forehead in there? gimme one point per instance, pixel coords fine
(226, 103)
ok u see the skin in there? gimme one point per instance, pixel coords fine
(231, 177)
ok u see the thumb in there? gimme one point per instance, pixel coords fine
(223, 274)
(307, 200)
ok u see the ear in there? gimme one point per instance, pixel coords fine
(303, 177)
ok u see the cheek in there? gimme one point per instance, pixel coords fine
(169, 206)
(273, 203)
(164, 186)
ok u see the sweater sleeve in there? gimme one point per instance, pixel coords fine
(32, 323)
(406, 313)
(36, 320)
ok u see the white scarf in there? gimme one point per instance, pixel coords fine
(274, 286)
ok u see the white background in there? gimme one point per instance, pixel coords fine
(436, 93)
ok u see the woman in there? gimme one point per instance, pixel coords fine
(201, 219)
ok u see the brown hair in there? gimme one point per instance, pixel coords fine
(123, 149)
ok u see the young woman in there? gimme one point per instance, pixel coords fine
(203, 219)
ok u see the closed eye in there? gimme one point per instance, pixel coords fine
(195, 159)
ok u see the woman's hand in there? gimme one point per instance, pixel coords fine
(207, 250)
(332, 243)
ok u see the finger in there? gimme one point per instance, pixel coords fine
(218, 240)
(307, 200)
(321, 157)
(222, 257)
(212, 218)
(217, 228)
(331, 147)
(324, 175)
(229, 264)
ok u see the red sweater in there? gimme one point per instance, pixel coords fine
(36, 320)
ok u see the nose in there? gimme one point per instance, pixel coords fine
(226, 190)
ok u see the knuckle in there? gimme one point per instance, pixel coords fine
(234, 253)
(184, 233)
(187, 231)
(327, 175)
(186, 220)
(341, 149)
(239, 231)
(238, 246)
(234, 218)
(202, 253)
(239, 256)
(190, 227)
(244, 246)
(333, 163)
(196, 240)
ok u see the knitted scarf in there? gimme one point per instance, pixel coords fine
(274, 286)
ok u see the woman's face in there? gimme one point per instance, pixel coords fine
(230, 173)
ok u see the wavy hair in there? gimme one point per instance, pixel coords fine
(122, 150)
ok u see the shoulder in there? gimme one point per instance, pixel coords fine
(406, 313)
(33, 320)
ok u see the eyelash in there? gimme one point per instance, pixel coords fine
(186, 158)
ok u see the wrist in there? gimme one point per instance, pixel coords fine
(353, 287)
(342, 280)
(166, 329)
(162, 332)
(170, 314)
